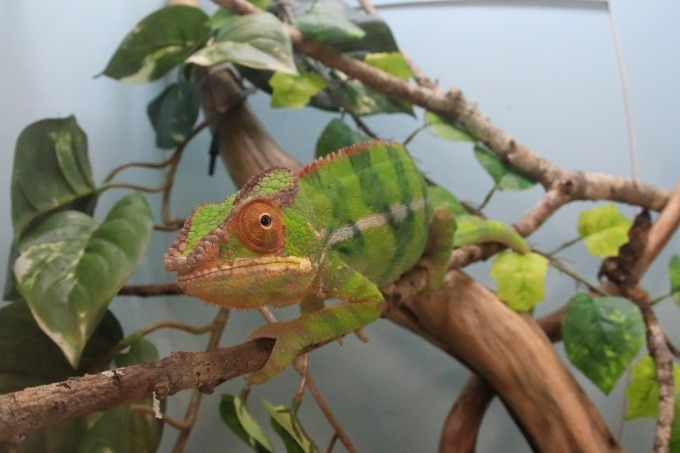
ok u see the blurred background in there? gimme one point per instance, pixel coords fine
(546, 72)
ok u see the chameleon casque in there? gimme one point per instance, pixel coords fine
(344, 226)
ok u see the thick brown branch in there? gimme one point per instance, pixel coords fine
(36, 407)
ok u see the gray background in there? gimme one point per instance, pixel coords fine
(545, 72)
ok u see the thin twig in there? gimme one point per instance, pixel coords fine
(339, 431)
(171, 421)
(191, 414)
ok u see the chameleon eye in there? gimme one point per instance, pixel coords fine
(260, 227)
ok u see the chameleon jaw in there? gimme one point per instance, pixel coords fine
(242, 267)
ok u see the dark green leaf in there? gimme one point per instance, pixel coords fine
(173, 114)
(602, 336)
(235, 415)
(141, 351)
(294, 91)
(447, 130)
(218, 19)
(354, 96)
(258, 41)
(70, 267)
(390, 62)
(503, 175)
(642, 391)
(290, 430)
(53, 152)
(158, 43)
(324, 25)
(674, 273)
(604, 230)
(337, 135)
(29, 357)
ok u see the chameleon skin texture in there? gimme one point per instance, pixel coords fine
(347, 224)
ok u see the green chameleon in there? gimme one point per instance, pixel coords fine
(341, 228)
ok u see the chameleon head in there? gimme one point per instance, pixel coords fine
(234, 253)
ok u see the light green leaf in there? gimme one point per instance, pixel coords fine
(326, 26)
(390, 62)
(447, 130)
(221, 15)
(674, 273)
(257, 41)
(290, 430)
(173, 113)
(642, 391)
(602, 336)
(604, 230)
(70, 267)
(161, 41)
(235, 415)
(294, 91)
(520, 279)
(505, 177)
(53, 151)
(337, 135)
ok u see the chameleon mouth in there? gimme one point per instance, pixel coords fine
(248, 266)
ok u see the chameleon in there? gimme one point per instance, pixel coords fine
(345, 225)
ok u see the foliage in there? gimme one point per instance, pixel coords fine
(67, 265)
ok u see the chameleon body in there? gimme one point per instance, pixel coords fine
(345, 225)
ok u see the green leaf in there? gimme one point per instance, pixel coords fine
(505, 177)
(221, 15)
(257, 41)
(390, 62)
(290, 430)
(28, 357)
(337, 135)
(235, 415)
(324, 25)
(173, 113)
(642, 391)
(158, 43)
(354, 96)
(141, 351)
(53, 151)
(446, 129)
(520, 279)
(70, 267)
(604, 230)
(294, 91)
(602, 336)
(674, 273)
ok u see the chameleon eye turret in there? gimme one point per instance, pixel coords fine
(259, 226)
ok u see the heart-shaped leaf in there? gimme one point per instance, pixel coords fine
(447, 130)
(390, 62)
(294, 91)
(602, 336)
(257, 41)
(505, 177)
(70, 267)
(337, 135)
(158, 43)
(288, 427)
(520, 279)
(604, 230)
(235, 415)
(29, 357)
(324, 25)
(55, 152)
(642, 391)
(173, 113)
